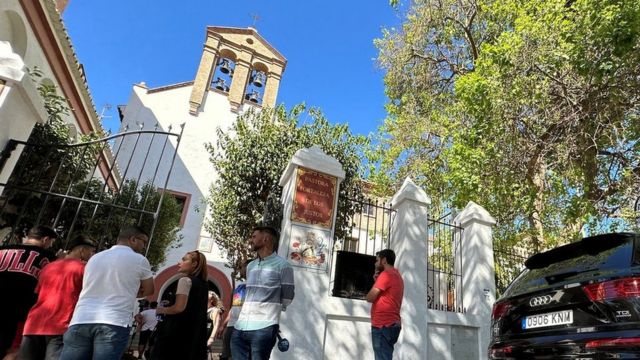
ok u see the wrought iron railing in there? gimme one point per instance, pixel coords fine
(370, 227)
(369, 233)
(508, 263)
(77, 187)
(445, 290)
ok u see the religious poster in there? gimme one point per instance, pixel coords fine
(314, 198)
(309, 247)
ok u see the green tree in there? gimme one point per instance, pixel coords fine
(250, 158)
(529, 108)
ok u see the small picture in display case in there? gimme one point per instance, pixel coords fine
(309, 247)
(205, 244)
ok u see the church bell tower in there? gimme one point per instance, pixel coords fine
(242, 65)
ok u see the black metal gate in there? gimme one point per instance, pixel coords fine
(369, 232)
(444, 264)
(78, 187)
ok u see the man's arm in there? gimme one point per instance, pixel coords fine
(378, 286)
(373, 294)
(144, 272)
(287, 286)
(146, 287)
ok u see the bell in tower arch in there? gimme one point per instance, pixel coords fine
(258, 79)
(220, 84)
(252, 96)
(225, 67)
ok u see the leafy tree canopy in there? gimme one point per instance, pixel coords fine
(250, 158)
(527, 107)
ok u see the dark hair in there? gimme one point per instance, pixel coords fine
(40, 231)
(81, 240)
(131, 231)
(387, 254)
(153, 305)
(275, 235)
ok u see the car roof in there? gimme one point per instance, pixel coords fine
(588, 245)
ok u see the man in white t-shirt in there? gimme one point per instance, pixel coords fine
(113, 278)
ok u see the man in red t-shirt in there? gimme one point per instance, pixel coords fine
(386, 296)
(58, 290)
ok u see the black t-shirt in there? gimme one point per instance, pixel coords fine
(20, 267)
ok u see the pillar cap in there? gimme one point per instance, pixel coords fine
(315, 159)
(476, 213)
(409, 191)
(11, 64)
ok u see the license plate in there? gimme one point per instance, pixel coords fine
(549, 319)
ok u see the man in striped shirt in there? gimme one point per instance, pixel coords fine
(269, 291)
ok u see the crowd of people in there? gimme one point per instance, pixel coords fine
(78, 305)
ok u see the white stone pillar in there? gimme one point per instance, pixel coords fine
(478, 272)
(409, 235)
(304, 321)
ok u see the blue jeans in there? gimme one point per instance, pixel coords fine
(94, 341)
(41, 347)
(258, 343)
(383, 340)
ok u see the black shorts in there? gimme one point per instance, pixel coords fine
(145, 335)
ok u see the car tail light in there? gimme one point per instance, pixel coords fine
(500, 352)
(500, 309)
(628, 342)
(613, 289)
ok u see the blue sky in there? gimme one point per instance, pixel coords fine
(328, 45)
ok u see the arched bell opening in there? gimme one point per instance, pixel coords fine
(254, 91)
(224, 69)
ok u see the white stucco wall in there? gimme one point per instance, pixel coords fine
(192, 172)
(20, 104)
(320, 326)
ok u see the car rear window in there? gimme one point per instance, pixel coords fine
(567, 263)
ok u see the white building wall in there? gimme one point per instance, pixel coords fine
(192, 172)
(21, 107)
(32, 55)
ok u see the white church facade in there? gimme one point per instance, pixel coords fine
(239, 70)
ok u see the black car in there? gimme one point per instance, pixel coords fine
(577, 301)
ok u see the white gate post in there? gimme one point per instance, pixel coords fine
(409, 235)
(311, 184)
(478, 272)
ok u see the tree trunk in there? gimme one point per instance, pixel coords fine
(536, 177)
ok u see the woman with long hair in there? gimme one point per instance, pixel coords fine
(182, 333)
